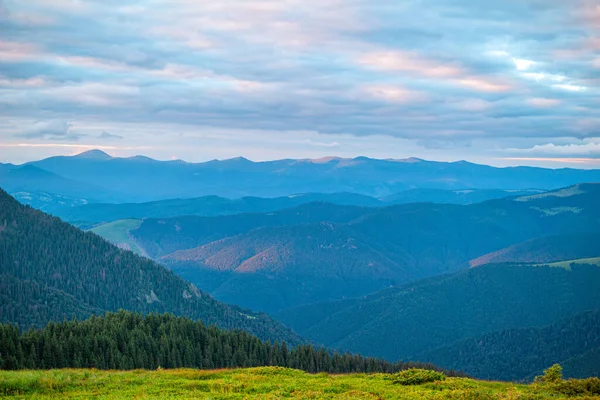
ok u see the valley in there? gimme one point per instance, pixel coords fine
(262, 199)
(444, 270)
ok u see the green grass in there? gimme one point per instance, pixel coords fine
(117, 232)
(567, 264)
(252, 383)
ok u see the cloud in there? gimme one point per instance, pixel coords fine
(541, 102)
(51, 130)
(590, 149)
(464, 76)
(109, 136)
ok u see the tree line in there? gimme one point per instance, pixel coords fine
(126, 340)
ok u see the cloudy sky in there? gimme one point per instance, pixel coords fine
(499, 82)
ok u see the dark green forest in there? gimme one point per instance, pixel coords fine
(50, 270)
(126, 340)
(517, 353)
(440, 311)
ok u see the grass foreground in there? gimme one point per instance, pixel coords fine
(252, 383)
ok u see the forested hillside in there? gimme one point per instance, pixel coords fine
(208, 206)
(254, 259)
(465, 196)
(161, 236)
(274, 268)
(403, 322)
(517, 353)
(130, 341)
(51, 271)
(546, 249)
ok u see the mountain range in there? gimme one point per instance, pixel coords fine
(93, 213)
(139, 179)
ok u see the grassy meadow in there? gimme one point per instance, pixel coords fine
(255, 383)
(118, 232)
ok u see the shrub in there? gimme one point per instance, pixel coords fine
(417, 376)
(575, 387)
(551, 375)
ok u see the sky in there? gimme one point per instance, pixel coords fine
(512, 82)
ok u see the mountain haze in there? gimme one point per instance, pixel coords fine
(214, 205)
(143, 179)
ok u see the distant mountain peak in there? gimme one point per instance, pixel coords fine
(238, 159)
(324, 160)
(94, 155)
(409, 160)
(140, 158)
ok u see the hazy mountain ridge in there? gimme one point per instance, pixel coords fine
(214, 205)
(143, 179)
(32, 179)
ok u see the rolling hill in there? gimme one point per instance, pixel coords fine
(273, 268)
(346, 252)
(406, 322)
(208, 206)
(137, 179)
(517, 353)
(546, 249)
(162, 236)
(50, 271)
(32, 181)
(464, 196)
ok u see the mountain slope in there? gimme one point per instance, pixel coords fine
(357, 251)
(31, 179)
(144, 179)
(273, 268)
(43, 259)
(163, 236)
(546, 249)
(402, 322)
(207, 206)
(526, 352)
(465, 196)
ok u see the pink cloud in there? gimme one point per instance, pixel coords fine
(556, 159)
(17, 51)
(482, 84)
(543, 103)
(273, 23)
(96, 94)
(394, 94)
(402, 61)
(34, 82)
(416, 65)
